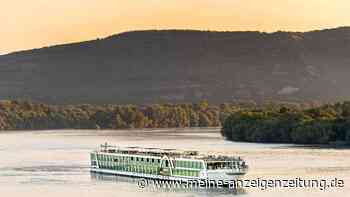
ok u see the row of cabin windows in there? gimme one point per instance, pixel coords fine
(181, 172)
(130, 168)
(145, 169)
(189, 164)
(127, 159)
(178, 163)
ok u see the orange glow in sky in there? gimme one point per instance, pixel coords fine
(29, 24)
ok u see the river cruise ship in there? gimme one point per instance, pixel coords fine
(165, 164)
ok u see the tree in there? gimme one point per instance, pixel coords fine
(348, 137)
(119, 122)
(204, 121)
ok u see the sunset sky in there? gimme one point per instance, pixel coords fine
(30, 24)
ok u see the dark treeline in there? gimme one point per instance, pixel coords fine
(319, 125)
(308, 123)
(24, 115)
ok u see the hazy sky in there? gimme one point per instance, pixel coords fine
(35, 23)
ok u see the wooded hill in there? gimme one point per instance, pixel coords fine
(177, 66)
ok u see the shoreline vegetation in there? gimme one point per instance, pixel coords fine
(327, 124)
(269, 122)
(25, 115)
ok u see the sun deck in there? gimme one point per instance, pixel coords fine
(158, 152)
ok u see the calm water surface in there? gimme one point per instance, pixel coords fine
(56, 163)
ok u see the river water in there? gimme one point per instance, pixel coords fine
(56, 163)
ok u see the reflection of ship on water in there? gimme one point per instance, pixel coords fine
(133, 182)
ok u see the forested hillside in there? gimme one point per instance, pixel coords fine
(177, 66)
